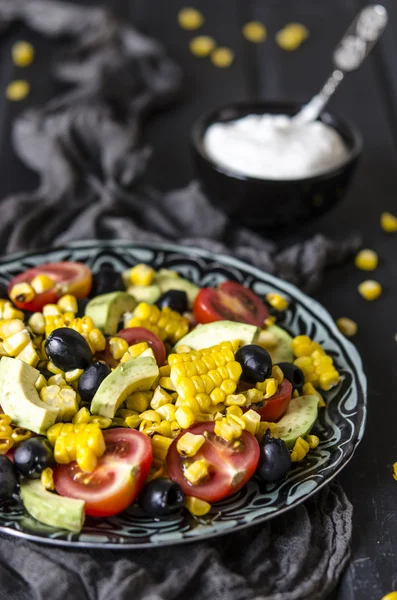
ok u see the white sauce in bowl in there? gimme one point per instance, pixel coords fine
(273, 147)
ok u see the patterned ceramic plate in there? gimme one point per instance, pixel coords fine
(340, 425)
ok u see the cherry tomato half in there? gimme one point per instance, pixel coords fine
(273, 408)
(117, 479)
(230, 301)
(69, 278)
(229, 467)
(134, 335)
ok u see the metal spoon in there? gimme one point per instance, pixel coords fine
(349, 54)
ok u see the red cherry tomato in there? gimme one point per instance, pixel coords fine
(229, 467)
(117, 479)
(274, 408)
(134, 335)
(232, 302)
(69, 278)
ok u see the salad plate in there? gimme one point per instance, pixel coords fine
(340, 425)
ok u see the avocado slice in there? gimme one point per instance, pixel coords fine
(106, 310)
(145, 293)
(167, 283)
(211, 334)
(282, 352)
(298, 420)
(135, 375)
(20, 399)
(51, 509)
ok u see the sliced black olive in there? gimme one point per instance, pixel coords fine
(274, 460)
(293, 373)
(161, 497)
(105, 281)
(255, 361)
(32, 456)
(67, 349)
(174, 299)
(91, 379)
(8, 479)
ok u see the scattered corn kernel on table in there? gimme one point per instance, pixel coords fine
(242, 69)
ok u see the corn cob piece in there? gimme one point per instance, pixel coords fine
(167, 324)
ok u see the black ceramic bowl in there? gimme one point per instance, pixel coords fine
(265, 203)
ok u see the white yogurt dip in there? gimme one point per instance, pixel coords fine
(273, 147)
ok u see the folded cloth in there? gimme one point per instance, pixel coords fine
(85, 147)
(298, 556)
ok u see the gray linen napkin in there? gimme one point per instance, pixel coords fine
(85, 147)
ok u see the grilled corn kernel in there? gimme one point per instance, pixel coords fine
(370, 289)
(366, 260)
(137, 349)
(53, 369)
(388, 222)
(82, 416)
(50, 310)
(390, 596)
(166, 383)
(22, 54)
(57, 380)
(267, 340)
(189, 444)
(14, 344)
(184, 417)
(277, 374)
(222, 57)
(17, 90)
(74, 375)
(196, 471)
(47, 479)
(202, 45)
(347, 326)
(142, 275)
(29, 355)
(292, 36)
(183, 350)
(150, 415)
(36, 323)
(22, 292)
(268, 387)
(253, 396)
(68, 303)
(165, 371)
(10, 326)
(251, 421)
(312, 440)
(227, 429)
(6, 443)
(309, 390)
(234, 409)
(118, 347)
(96, 340)
(160, 398)
(19, 434)
(167, 412)
(160, 445)
(102, 422)
(277, 301)
(196, 507)
(254, 32)
(190, 18)
(86, 459)
(138, 401)
(5, 420)
(235, 400)
(300, 449)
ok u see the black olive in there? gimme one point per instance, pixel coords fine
(32, 456)
(67, 349)
(293, 373)
(161, 497)
(81, 304)
(91, 379)
(8, 479)
(105, 281)
(256, 363)
(274, 461)
(174, 299)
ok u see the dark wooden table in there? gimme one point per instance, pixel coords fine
(368, 98)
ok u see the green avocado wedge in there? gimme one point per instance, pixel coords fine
(20, 399)
(210, 334)
(106, 310)
(134, 375)
(282, 352)
(298, 420)
(51, 509)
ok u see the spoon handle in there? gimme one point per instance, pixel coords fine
(349, 55)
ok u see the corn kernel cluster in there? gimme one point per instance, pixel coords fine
(17, 342)
(167, 324)
(317, 366)
(11, 434)
(82, 442)
(59, 394)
